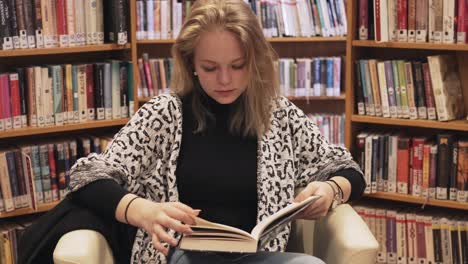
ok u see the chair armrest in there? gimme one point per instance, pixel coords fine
(343, 237)
(83, 246)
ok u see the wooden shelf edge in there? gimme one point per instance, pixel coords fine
(29, 131)
(409, 45)
(26, 211)
(457, 125)
(272, 40)
(418, 200)
(292, 98)
(63, 50)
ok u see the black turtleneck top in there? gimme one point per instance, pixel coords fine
(217, 170)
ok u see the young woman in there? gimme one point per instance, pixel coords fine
(224, 146)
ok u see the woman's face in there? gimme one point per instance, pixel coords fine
(221, 66)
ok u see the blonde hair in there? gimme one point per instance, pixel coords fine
(251, 117)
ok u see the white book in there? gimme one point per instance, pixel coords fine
(149, 20)
(383, 89)
(164, 16)
(392, 20)
(449, 21)
(401, 253)
(368, 164)
(100, 21)
(383, 10)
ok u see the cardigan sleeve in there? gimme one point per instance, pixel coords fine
(315, 158)
(133, 149)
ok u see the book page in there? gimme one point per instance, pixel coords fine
(281, 217)
(204, 225)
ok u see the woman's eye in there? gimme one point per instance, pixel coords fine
(238, 67)
(209, 69)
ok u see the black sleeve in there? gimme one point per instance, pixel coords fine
(358, 184)
(101, 196)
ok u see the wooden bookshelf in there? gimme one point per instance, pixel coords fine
(273, 40)
(63, 50)
(31, 131)
(457, 125)
(418, 200)
(25, 211)
(369, 49)
(409, 45)
(292, 98)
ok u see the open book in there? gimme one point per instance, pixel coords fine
(209, 236)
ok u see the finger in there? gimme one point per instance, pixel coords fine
(180, 215)
(307, 192)
(186, 208)
(316, 208)
(173, 224)
(157, 244)
(164, 236)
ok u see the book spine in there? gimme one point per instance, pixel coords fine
(90, 93)
(433, 172)
(461, 22)
(429, 93)
(453, 173)
(403, 161)
(422, 17)
(402, 20)
(411, 20)
(449, 21)
(462, 171)
(445, 146)
(363, 20)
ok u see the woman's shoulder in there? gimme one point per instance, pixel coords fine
(281, 103)
(170, 101)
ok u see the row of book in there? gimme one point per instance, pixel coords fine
(62, 23)
(10, 231)
(66, 94)
(410, 89)
(406, 236)
(163, 19)
(155, 75)
(331, 127)
(319, 76)
(419, 166)
(31, 175)
(301, 18)
(434, 21)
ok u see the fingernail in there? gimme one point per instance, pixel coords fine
(197, 211)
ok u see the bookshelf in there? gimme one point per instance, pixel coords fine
(370, 49)
(64, 50)
(418, 200)
(34, 131)
(84, 54)
(26, 211)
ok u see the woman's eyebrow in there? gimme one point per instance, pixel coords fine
(235, 60)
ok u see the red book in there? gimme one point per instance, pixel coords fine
(363, 20)
(5, 104)
(403, 164)
(90, 91)
(149, 81)
(462, 22)
(53, 173)
(61, 17)
(429, 92)
(15, 100)
(403, 20)
(378, 31)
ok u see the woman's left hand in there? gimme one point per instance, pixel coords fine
(321, 206)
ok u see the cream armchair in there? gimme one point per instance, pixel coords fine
(340, 237)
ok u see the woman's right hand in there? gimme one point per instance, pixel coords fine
(157, 218)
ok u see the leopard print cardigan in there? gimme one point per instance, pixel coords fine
(142, 158)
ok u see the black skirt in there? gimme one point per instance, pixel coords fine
(37, 243)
